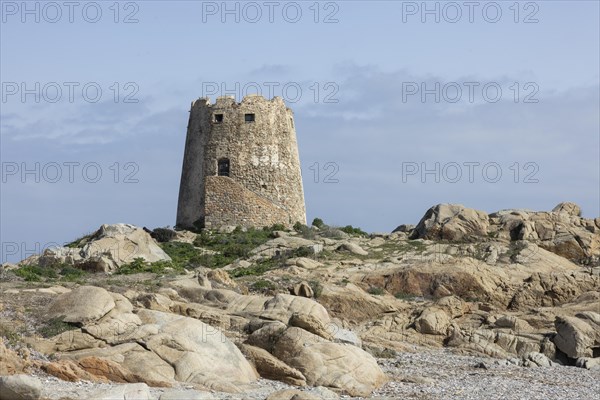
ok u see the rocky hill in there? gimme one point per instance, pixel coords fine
(462, 305)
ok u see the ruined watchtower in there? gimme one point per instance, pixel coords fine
(241, 165)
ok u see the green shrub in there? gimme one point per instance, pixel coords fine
(276, 227)
(303, 251)
(318, 222)
(71, 274)
(163, 235)
(350, 230)
(80, 241)
(317, 288)
(139, 265)
(377, 291)
(304, 231)
(237, 244)
(183, 254)
(404, 296)
(260, 267)
(263, 284)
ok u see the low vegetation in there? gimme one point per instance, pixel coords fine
(376, 291)
(228, 247)
(140, 265)
(52, 273)
(53, 327)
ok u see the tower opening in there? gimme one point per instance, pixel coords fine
(218, 118)
(249, 117)
(223, 167)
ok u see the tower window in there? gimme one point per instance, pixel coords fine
(249, 117)
(218, 118)
(223, 169)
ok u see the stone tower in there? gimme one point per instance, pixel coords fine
(241, 165)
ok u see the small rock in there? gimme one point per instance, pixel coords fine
(302, 289)
(481, 365)
(353, 248)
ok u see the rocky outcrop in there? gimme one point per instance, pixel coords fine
(433, 321)
(562, 231)
(270, 367)
(10, 362)
(82, 305)
(175, 348)
(322, 362)
(105, 250)
(451, 222)
(578, 336)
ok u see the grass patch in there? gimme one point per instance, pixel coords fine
(35, 273)
(259, 268)
(9, 334)
(350, 230)
(263, 285)
(376, 291)
(405, 296)
(183, 255)
(237, 243)
(54, 327)
(80, 242)
(234, 245)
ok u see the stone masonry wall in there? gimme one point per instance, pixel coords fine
(263, 156)
(227, 203)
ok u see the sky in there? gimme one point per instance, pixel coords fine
(398, 106)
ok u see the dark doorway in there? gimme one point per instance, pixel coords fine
(223, 169)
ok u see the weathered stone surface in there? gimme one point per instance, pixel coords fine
(283, 306)
(353, 248)
(323, 363)
(83, 304)
(221, 277)
(312, 324)
(105, 250)
(569, 208)
(10, 362)
(351, 303)
(432, 321)
(578, 336)
(70, 371)
(20, 387)
(552, 289)
(536, 360)
(199, 353)
(270, 367)
(513, 323)
(302, 289)
(451, 222)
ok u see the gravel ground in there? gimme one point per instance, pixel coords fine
(426, 374)
(444, 375)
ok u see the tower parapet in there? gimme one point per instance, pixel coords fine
(241, 165)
